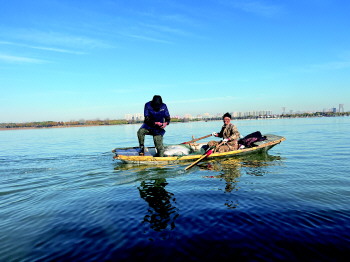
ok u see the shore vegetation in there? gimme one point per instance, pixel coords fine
(80, 123)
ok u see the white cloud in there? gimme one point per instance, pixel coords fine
(122, 91)
(256, 7)
(165, 29)
(205, 99)
(20, 59)
(147, 38)
(52, 49)
(177, 18)
(56, 38)
(335, 65)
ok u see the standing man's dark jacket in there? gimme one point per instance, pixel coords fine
(155, 113)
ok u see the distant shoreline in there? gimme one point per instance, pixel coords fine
(47, 127)
(172, 121)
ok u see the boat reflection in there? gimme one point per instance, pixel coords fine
(252, 165)
(162, 210)
(231, 170)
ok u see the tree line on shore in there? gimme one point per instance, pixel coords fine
(47, 124)
(44, 124)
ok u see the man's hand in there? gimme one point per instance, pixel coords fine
(164, 125)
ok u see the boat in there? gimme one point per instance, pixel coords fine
(130, 155)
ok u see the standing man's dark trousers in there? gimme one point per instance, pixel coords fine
(158, 141)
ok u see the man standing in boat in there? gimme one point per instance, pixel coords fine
(229, 133)
(157, 117)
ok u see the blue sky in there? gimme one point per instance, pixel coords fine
(68, 60)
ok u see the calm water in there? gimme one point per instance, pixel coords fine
(63, 197)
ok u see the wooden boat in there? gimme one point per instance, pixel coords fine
(131, 155)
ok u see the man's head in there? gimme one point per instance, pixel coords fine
(226, 118)
(156, 102)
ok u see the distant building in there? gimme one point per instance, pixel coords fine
(206, 115)
(188, 116)
(138, 117)
(128, 116)
(134, 117)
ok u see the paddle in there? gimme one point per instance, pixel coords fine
(206, 154)
(194, 140)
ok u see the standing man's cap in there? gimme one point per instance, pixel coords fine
(156, 102)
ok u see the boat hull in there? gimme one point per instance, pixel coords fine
(264, 146)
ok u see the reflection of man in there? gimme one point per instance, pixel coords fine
(230, 176)
(161, 210)
(230, 173)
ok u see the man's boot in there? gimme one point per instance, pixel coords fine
(142, 150)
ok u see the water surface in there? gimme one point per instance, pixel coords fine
(63, 197)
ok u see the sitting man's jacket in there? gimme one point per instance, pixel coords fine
(229, 131)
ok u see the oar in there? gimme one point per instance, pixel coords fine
(194, 140)
(206, 154)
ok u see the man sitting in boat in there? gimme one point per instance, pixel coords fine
(230, 135)
(157, 117)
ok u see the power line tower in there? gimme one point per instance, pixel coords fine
(341, 108)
